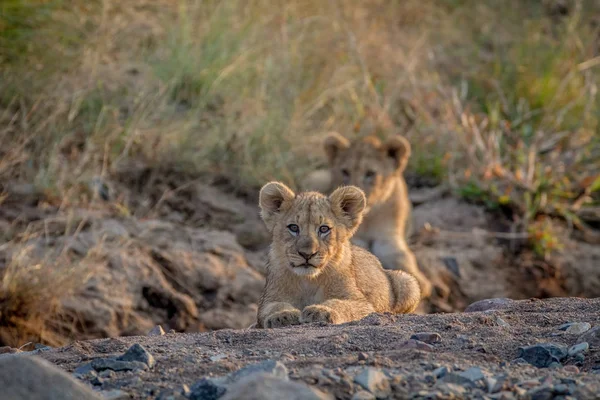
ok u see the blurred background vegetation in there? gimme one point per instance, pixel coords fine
(499, 99)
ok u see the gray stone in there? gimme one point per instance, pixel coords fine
(363, 395)
(102, 364)
(579, 357)
(468, 378)
(139, 354)
(206, 389)
(115, 395)
(541, 393)
(452, 388)
(555, 365)
(582, 347)
(262, 386)
(427, 337)
(31, 378)
(440, 372)
(218, 357)
(502, 323)
(592, 337)
(489, 304)
(375, 381)
(543, 354)
(272, 367)
(157, 331)
(84, 370)
(578, 328)
(107, 374)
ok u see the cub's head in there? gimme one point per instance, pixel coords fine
(368, 163)
(309, 229)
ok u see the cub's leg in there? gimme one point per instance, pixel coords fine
(278, 314)
(337, 311)
(394, 254)
(407, 294)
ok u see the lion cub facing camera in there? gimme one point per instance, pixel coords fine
(314, 274)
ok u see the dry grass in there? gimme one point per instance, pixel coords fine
(498, 100)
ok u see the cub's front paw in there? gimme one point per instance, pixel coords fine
(283, 318)
(319, 313)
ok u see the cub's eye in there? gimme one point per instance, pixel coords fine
(369, 174)
(324, 229)
(293, 228)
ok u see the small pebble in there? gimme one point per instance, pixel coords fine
(440, 372)
(115, 395)
(416, 344)
(139, 354)
(502, 323)
(427, 337)
(579, 348)
(578, 328)
(362, 356)
(571, 368)
(218, 357)
(375, 381)
(363, 395)
(157, 331)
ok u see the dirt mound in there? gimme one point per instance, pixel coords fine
(468, 355)
(187, 253)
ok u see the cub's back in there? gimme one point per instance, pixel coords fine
(372, 279)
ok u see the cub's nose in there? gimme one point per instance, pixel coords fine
(307, 256)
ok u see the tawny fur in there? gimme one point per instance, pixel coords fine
(346, 283)
(377, 168)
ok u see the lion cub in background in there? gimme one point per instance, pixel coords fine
(314, 274)
(377, 168)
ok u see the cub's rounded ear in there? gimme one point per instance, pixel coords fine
(397, 148)
(333, 144)
(348, 204)
(271, 200)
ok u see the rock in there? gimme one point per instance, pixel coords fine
(262, 386)
(519, 361)
(102, 364)
(592, 337)
(582, 347)
(555, 365)
(157, 331)
(427, 337)
(375, 381)
(571, 368)
(8, 350)
(115, 395)
(579, 358)
(107, 374)
(363, 395)
(500, 322)
(542, 355)
(452, 264)
(271, 367)
(453, 389)
(416, 344)
(218, 357)
(468, 378)
(139, 354)
(578, 328)
(497, 384)
(31, 378)
(440, 372)
(541, 393)
(362, 356)
(206, 389)
(489, 304)
(83, 370)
